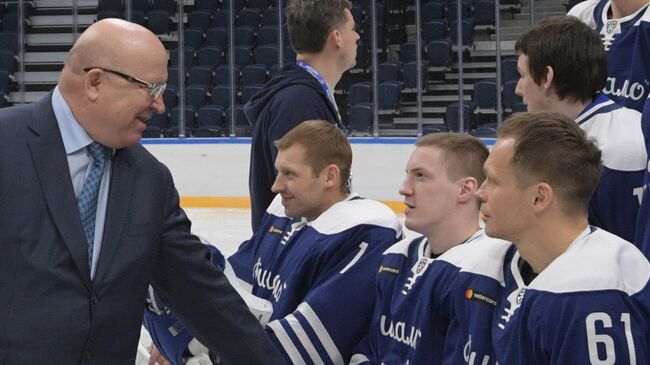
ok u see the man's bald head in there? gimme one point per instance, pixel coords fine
(107, 80)
(113, 43)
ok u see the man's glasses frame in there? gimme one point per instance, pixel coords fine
(155, 90)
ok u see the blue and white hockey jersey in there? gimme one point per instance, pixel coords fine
(319, 275)
(617, 131)
(627, 42)
(589, 306)
(435, 311)
(643, 221)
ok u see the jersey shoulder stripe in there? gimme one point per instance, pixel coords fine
(482, 256)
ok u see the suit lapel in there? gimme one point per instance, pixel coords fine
(51, 165)
(119, 200)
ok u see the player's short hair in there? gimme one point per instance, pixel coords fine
(309, 22)
(573, 50)
(325, 144)
(551, 148)
(462, 155)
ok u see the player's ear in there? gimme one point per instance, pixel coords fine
(468, 187)
(543, 197)
(548, 82)
(332, 175)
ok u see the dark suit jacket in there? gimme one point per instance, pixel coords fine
(50, 310)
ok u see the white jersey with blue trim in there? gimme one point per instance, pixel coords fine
(627, 42)
(589, 306)
(643, 221)
(618, 134)
(435, 311)
(318, 275)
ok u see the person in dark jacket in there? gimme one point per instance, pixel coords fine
(322, 35)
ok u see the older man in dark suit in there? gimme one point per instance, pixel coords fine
(88, 219)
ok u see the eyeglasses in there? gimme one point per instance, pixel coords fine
(155, 90)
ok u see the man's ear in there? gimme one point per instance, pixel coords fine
(548, 82)
(543, 197)
(335, 38)
(92, 82)
(468, 187)
(332, 175)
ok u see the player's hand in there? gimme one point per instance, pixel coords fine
(156, 358)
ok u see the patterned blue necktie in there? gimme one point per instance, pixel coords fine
(87, 199)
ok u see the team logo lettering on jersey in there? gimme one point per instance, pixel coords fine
(266, 280)
(470, 356)
(275, 230)
(398, 333)
(514, 299)
(635, 91)
(417, 270)
(475, 296)
(388, 270)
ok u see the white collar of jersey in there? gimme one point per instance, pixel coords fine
(618, 134)
(346, 214)
(605, 17)
(595, 260)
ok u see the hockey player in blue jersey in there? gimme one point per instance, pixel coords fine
(643, 220)
(562, 67)
(315, 255)
(436, 292)
(574, 293)
(623, 26)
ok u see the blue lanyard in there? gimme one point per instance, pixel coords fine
(322, 82)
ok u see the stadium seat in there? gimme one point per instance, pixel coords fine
(7, 61)
(433, 128)
(239, 4)
(389, 71)
(249, 17)
(166, 5)
(432, 11)
(244, 36)
(190, 121)
(209, 121)
(209, 56)
(484, 12)
(267, 35)
(484, 94)
(247, 92)
(220, 95)
(451, 116)
(201, 75)
(4, 82)
(193, 38)
(10, 22)
(195, 96)
(519, 107)
(140, 6)
(159, 121)
(439, 54)
(199, 19)
(112, 5)
(407, 52)
(158, 21)
(189, 56)
(360, 93)
(266, 55)
(434, 30)
(103, 14)
(172, 76)
(208, 5)
(468, 32)
(137, 17)
(242, 127)
(217, 37)
(360, 118)
(221, 18)
(9, 41)
(410, 75)
(452, 10)
(253, 74)
(270, 16)
(170, 97)
(389, 95)
(222, 75)
(510, 99)
(242, 56)
(509, 70)
(259, 4)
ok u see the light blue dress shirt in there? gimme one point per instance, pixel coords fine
(75, 141)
